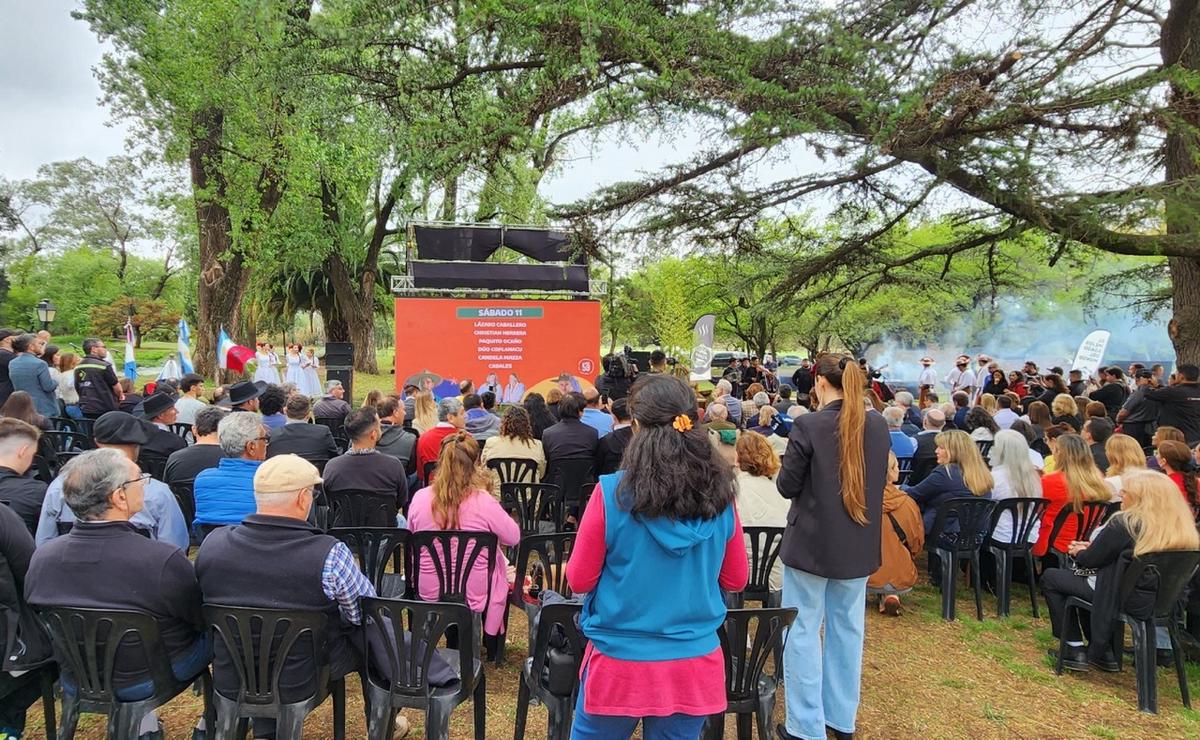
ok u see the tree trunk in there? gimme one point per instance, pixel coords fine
(1181, 46)
(356, 310)
(222, 276)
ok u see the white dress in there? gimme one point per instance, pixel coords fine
(311, 385)
(294, 373)
(266, 370)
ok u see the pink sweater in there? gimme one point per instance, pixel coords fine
(652, 688)
(479, 512)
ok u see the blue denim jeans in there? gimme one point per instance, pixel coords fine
(822, 684)
(608, 727)
(185, 666)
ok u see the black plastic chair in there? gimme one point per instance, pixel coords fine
(906, 467)
(1173, 569)
(1089, 516)
(748, 638)
(374, 548)
(426, 623)
(453, 554)
(985, 449)
(83, 428)
(544, 676)
(155, 465)
(534, 504)
(63, 458)
(60, 441)
(44, 470)
(570, 474)
(45, 672)
(362, 509)
(1110, 510)
(185, 496)
(86, 643)
(260, 643)
(1024, 513)
(337, 427)
(765, 544)
(514, 469)
(543, 558)
(427, 472)
(958, 532)
(183, 430)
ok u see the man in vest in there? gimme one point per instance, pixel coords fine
(96, 382)
(276, 559)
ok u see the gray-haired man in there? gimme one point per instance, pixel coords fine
(451, 418)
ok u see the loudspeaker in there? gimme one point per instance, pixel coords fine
(344, 373)
(339, 353)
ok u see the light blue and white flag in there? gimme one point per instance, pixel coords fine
(130, 362)
(185, 351)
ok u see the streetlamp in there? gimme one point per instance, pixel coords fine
(46, 312)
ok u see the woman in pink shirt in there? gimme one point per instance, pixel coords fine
(458, 499)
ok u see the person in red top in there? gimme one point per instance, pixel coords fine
(451, 418)
(1076, 479)
(1175, 459)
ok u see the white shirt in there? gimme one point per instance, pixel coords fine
(1004, 418)
(928, 377)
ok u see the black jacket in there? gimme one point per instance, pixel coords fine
(1099, 456)
(611, 449)
(1179, 407)
(1109, 553)
(184, 465)
(162, 443)
(310, 441)
(25, 642)
(24, 495)
(924, 460)
(1113, 396)
(570, 438)
(821, 538)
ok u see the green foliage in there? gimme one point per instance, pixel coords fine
(150, 318)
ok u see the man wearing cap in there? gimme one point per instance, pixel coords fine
(313, 442)
(333, 405)
(960, 378)
(243, 396)
(276, 559)
(105, 564)
(96, 382)
(191, 387)
(159, 408)
(159, 515)
(225, 494)
(926, 381)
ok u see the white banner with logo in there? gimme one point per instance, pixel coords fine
(702, 352)
(1091, 352)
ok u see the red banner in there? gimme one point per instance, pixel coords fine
(510, 347)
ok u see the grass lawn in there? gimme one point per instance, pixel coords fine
(922, 677)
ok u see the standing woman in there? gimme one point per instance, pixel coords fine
(294, 373)
(312, 381)
(834, 473)
(656, 544)
(66, 384)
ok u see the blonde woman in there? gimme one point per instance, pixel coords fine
(1153, 518)
(424, 412)
(1014, 477)
(1076, 480)
(1124, 455)
(1064, 411)
(989, 403)
(758, 500)
(960, 472)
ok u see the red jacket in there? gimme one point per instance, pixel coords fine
(429, 446)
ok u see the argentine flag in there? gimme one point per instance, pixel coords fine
(130, 362)
(183, 348)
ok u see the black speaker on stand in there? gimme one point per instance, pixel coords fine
(339, 365)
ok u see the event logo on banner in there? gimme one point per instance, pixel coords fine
(1091, 352)
(702, 352)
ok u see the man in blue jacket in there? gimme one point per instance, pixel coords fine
(28, 372)
(225, 494)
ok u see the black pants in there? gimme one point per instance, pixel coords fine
(1139, 431)
(1058, 585)
(19, 694)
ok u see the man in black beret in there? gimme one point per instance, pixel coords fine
(160, 410)
(160, 516)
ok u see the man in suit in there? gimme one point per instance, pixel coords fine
(313, 442)
(570, 437)
(924, 460)
(611, 447)
(160, 411)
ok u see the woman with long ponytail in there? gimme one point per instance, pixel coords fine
(834, 472)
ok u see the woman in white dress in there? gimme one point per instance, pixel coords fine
(265, 370)
(294, 373)
(312, 381)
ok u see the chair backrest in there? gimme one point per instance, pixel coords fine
(1111, 508)
(550, 552)
(514, 469)
(765, 544)
(337, 427)
(748, 637)
(183, 430)
(63, 458)
(961, 524)
(155, 465)
(985, 449)
(374, 547)
(425, 623)
(533, 503)
(350, 508)
(60, 441)
(185, 496)
(1175, 569)
(43, 469)
(559, 617)
(427, 472)
(906, 466)
(259, 643)
(86, 643)
(1089, 516)
(84, 428)
(453, 554)
(570, 474)
(1024, 513)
